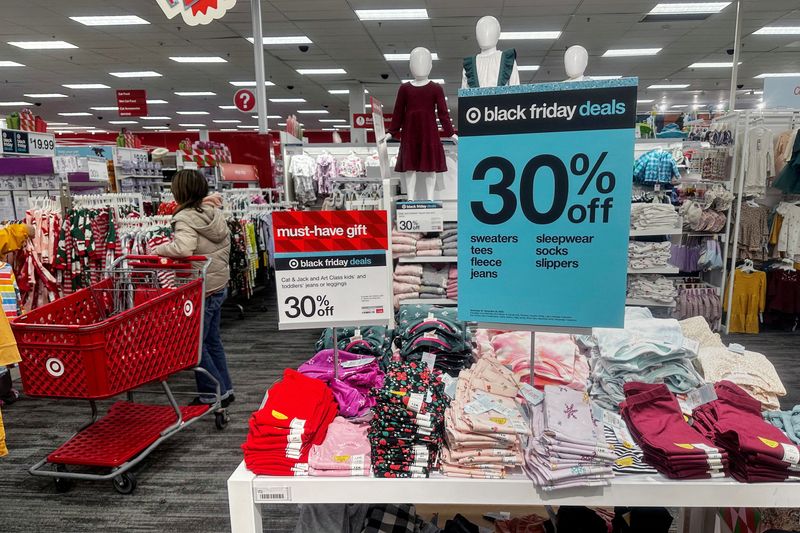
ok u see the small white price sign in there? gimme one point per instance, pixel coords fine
(420, 216)
(41, 143)
(272, 494)
(98, 170)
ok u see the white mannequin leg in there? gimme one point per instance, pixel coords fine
(430, 184)
(411, 185)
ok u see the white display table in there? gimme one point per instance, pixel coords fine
(246, 493)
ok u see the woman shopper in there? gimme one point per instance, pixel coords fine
(199, 228)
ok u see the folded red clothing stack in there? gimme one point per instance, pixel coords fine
(758, 450)
(295, 416)
(669, 443)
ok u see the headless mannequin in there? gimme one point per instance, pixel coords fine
(420, 63)
(487, 33)
(576, 58)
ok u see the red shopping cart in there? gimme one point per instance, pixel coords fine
(141, 324)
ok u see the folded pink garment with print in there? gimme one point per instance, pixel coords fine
(429, 253)
(453, 274)
(408, 270)
(402, 248)
(429, 244)
(410, 234)
(405, 296)
(403, 239)
(452, 295)
(363, 471)
(413, 280)
(344, 443)
(403, 288)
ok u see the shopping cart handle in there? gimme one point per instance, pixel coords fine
(166, 260)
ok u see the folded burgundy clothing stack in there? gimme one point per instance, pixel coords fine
(295, 416)
(758, 451)
(673, 447)
(358, 375)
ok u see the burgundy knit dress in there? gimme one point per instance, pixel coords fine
(414, 116)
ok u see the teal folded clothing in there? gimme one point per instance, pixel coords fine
(786, 421)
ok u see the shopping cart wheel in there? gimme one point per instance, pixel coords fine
(125, 483)
(221, 419)
(62, 484)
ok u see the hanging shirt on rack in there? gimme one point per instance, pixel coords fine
(302, 169)
(753, 232)
(749, 299)
(352, 167)
(783, 149)
(655, 166)
(789, 233)
(760, 161)
(326, 171)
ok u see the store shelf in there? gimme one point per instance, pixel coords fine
(437, 259)
(644, 302)
(657, 270)
(429, 301)
(650, 232)
(634, 491)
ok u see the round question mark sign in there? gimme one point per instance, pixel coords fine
(244, 100)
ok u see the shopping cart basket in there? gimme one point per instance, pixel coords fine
(142, 323)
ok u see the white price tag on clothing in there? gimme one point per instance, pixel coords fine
(429, 359)
(532, 395)
(356, 362)
(791, 454)
(357, 465)
(415, 401)
(294, 437)
(736, 348)
(691, 345)
(297, 423)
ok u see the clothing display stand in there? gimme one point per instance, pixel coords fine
(775, 120)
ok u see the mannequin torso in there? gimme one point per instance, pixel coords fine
(491, 67)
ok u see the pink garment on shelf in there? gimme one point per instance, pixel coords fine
(429, 253)
(405, 296)
(403, 288)
(408, 270)
(402, 248)
(346, 449)
(410, 234)
(403, 239)
(413, 280)
(429, 244)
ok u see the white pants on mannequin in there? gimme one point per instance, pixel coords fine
(429, 178)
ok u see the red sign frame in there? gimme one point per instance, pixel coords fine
(329, 231)
(244, 100)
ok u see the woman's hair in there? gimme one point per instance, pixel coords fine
(189, 187)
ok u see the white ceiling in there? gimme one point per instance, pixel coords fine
(340, 39)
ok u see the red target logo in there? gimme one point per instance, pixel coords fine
(188, 308)
(54, 367)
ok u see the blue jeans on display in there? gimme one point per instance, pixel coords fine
(213, 358)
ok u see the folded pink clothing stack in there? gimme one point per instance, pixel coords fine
(345, 451)
(452, 283)
(483, 423)
(404, 244)
(407, 280)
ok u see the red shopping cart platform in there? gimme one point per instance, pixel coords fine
(140, 324)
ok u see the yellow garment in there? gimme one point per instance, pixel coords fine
(749, 298)
(12, 237)
(776, 229)
(3, 449)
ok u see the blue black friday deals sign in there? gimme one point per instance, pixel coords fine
(544, 185)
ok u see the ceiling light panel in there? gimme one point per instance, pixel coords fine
(406, 57)
(339, 91)
(668, 86)
(192, 112)
(153, 127)
(528, 35)
(155, 118)
(119, 20)
(332, 120)
(392, 14)
(312, 111)
(227, 107)
(86, 86)
(778, 30)
(192, 125)
(154, 102)
(631, 52)
(720, 64)
(10, 64)
(778, 75)
(46, 95)
(105, 108)
(120, 122)
(136, 74)
(292, 39)
(688, 8)
(250, 83)
(195, 93)
(440, 81)
(321, 71)
(14, 104)
(285, 101)
(527, 68)
(77, 114)
(42, 45)
(198, 59)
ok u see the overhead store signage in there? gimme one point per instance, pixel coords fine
(366, 121)
(196, 12)
(331, 268)
(782, 93)
(244, 100)
(544, 195)
(17, 142)
(132, 102)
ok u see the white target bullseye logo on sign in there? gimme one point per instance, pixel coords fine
(54, 367)
(188, 308)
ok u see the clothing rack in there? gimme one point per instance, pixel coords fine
(744, 121)
(114, 200)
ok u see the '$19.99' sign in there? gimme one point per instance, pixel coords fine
(594, 194)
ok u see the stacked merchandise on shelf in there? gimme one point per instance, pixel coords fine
(696, 254)
(649, 350)
(567, 447)
(406, 282)
(426, 282)
(748, 299)
(698, 218)
(653, 215)
(295, 416)
(452, 283)
(425, 330)
(628, 456)
(483, 424)
(653, 288)
(558, 359)
(648, 255)
(415, 244)
(367, 341)
(749, 370)
(407, 431)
